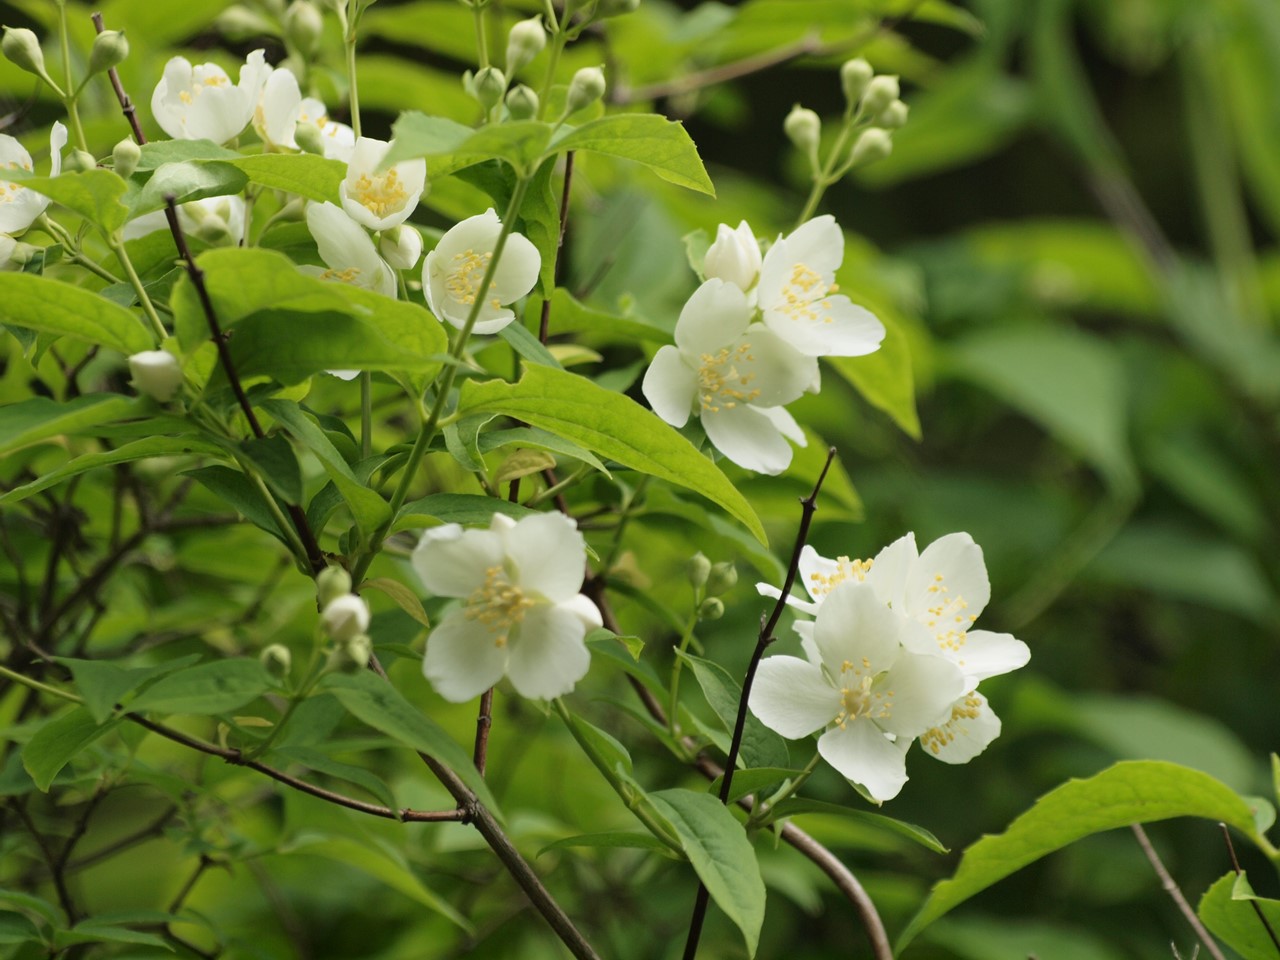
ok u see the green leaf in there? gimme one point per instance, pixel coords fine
(378, 859)
(752, 781)
(235, 489)
(318, 761)
(30, 421)
(1130, 792)
(137, 450)
(15, 928)
(540, 440)
(527, 345)
(159, 152)
(374, 701)
(103, 684)
(884, 378)
(303, 174)
(207, 688)
(761, 747)
(94, 194)
(609, 424)
(405, 598)
(54, 307)
(274, 459)
(452, 146)
(613, 839)
(799, 805)
(660, 144)
(468, 509)
(1007, 938)
(1227, 910)
(186, 181)
(58, 741)
(42, 908)
(721, 854)
(1071, 384)
(367, 506)
(95, 930)
(570, 316)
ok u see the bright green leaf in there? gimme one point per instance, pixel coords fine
(1227, 910)
(303, 174)
(58, 741)
(660, 144)
(30, 421)
(94, 194)
(468, 509)
(60, 309)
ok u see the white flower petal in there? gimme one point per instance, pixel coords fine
(970, 730)
(863, 754)
(380, 199)
(986, 654)
(786, 424)
(828, 327)
(463, 660)
(584, 608)
(748, 438)
(277, 115)
(854, 627)
(453, 273)
(714, 316)
(948, 580)
(923, 690)
(773, 593)
(517, 270)
(818, 244)
(452, 562)
(890, 569)
(670, 386)
(548, 655)
(792, 698)
(734, 257)
(546, 555)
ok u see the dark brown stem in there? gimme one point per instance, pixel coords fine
(544, 322)
(484, 720)
(55, 868)
(314, 557)
(1257, 909)
(152, 831)
(126, 105)
(78, 831)
(1171, 887)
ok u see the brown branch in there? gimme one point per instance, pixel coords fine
(544, 321)
(1171, 887)
(484, 720)
(1257, 909)
(152, 831)
(55, 868)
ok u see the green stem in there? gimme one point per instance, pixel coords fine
(63, 236)
(70, 97)
(286, 528)
(37, 685)
(428, 430)
(760, 812)
(118, 248)
(366, 414)
(349, 39)
(482, 39)
(623, 519)
(827, 175)
(553, 61)
(314, 672)
(676, 668)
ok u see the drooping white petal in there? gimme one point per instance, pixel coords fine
(854, 627)
(923, 690)
(547, 556)
(863, 754)
(804, 630)
(19, 205)
(786, 424)
(582, 607)
(452, 562)
(348, 251)
(380, 199)
(463, 660)
(890, 569)
(986, 654)
(792, 697)
(670, 385)
(948, 580)
(968, 731)
(715, 315)
(748, 438)
(548, 656)
(773, 593)
(278, 110)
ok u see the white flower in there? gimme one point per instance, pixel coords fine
(215, 220)
(734, 257)
(795, 293)
(860, 685)
(521, 613)
(338, 139)
(345, 617)
(347, 250)
(380, 199)
(276, 115)
(156, 373)
(19, 205)
(453, 272)
(401, 246)
(734, 374)
(966, 733)
(200, 102)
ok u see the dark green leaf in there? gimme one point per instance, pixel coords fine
(798, 805)
(207, 688)
(57, 742)
(761, 747)
(468, 509)
(615, 839)
(40, 418)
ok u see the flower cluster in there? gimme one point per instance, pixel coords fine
(890, 658)
(748, 341)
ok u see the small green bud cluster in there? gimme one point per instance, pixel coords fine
(21, 47)
(586, 87)
(303, 27)
(803, 128)
(344, 617)
(877, 98)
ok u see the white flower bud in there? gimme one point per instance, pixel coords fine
(156, 373)
(22, 48)
(881, 92)
(401, 247)
(303, 26)
(722, 579)
(277, 659)
(526, 40)
(345, 617)
(20, 253)
(125, 156)
(357, 651)
(109, 49)
(332, 583)
(734, 257)
(854, 76)
(586, 87)
(489, 86)
(803, 128)
(522, 102)
(873, 144)
(892, 117)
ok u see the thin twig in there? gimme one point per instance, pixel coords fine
(1171, 887)
(126, 105)
(484, 720)
(152, 831)
(1257, 909)
(55, 868)
(544, 321)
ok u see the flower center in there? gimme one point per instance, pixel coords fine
(380, 193)
(804, 295)
(463, 281)
(936, 738)
(859, 696)
(946, 617)
(498, 604)
(820, 584)
(721, 385)
(346, 276)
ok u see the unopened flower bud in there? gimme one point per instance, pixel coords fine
(303, 26)
(697, 570)
(722, 578)
(78, 161)
(586, 87)
(711, 608)
(277, 659)
(239, 23)
(109, 49)
(854, 76)
(156, 373)
(873, 144)
(20, 253)
(616, 8)
(309, 138)
(212, 220)
(22, 48)
(892, 117)
(881, 92)
(125, 156)
(526, 40)
(345, 617)
(332, 583)
(401, 247)
(522, 102)
(489, 86)
(804, 129)
(357, 651)
(734, 257)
